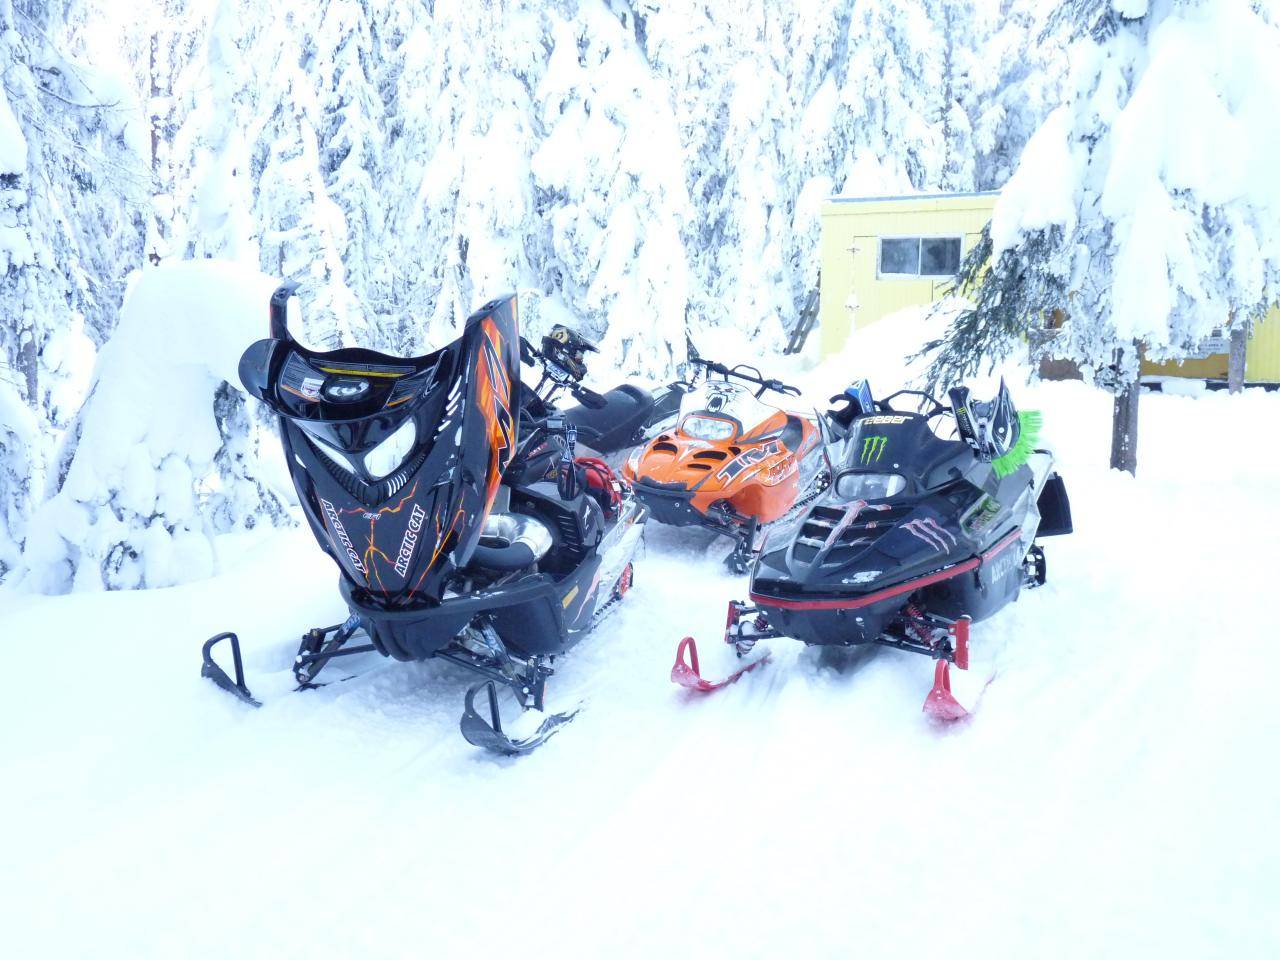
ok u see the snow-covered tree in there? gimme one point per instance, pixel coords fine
(73, 196)
(1017, 67)
(1146, 208)
(166, 457)
(611, 189)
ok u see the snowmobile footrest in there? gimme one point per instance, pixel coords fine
(212, 671)
(687, 673)
(488, 734)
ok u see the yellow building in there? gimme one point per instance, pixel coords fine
(881, 254)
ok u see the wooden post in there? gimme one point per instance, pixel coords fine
(1236, 359)
(1124, 424)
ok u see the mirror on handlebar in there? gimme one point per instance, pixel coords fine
(567, 351)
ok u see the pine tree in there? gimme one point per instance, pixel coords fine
(1144, 208)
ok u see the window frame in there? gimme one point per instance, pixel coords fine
(920, 238)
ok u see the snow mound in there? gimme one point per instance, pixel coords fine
(167, 456)
(887, 353)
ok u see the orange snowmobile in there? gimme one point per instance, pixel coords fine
(733, 462)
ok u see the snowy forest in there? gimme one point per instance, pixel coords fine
(637, 169)
(199, 514)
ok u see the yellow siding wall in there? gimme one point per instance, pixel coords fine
(850, 251)
(1264, 351)
(1262, 364)
(1209, 368)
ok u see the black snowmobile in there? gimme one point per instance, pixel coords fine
(917, 537)
(452, 499)
(613, 422)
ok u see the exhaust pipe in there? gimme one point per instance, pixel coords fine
(521, 542)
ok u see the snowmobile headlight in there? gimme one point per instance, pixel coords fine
(707, 428)
(383, 459)
(869, 486)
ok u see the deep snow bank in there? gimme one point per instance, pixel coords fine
(167, 455)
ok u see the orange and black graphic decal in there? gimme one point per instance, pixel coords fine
(493, 395)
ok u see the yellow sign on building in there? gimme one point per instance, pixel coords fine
(882, 254)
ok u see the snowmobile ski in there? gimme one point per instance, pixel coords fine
(687, 673)
(489, 735)
(940, 704)
(210, 669)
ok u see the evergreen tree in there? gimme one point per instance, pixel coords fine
(73, 197)
(1144, 209)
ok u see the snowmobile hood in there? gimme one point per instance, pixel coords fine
(903, 504)
(862, 546)
(902, 445)
(755, 474)
(396, 460)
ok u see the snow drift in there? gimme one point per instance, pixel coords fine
(167, 456)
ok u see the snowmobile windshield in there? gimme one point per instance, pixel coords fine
(708, 428)
(723, 401)
(869, 486)
(364, 411)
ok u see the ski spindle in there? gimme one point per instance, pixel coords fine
(960, 638)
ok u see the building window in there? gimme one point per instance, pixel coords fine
(919, 256)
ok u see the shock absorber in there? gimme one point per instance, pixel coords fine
(742, 633)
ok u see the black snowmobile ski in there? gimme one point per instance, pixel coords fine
(210, 669)
(489, 733)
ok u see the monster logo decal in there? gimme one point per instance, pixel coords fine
(932, 533)
(872, 449)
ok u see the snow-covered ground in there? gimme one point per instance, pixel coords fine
(1115, 794)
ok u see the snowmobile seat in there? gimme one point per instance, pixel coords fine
(792, 433)
(618, 423)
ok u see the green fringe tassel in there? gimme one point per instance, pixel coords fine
(1029, 423)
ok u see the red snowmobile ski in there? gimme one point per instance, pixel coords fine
(687, 672)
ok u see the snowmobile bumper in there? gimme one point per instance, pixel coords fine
(532, 611)
(672, 504)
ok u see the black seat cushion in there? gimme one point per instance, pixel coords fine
(615, 425)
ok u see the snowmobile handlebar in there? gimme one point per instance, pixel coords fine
(558, 376)
(937, 408)
(740, 372)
